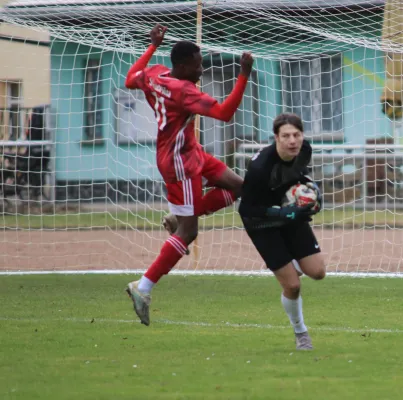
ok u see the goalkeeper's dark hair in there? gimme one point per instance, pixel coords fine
(287, 118)
(183, 51)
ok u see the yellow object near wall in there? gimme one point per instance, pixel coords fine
(392, 34)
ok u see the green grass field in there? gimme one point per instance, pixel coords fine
(346, 218)
(75, 337)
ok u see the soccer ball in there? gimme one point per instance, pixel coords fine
(300, 195)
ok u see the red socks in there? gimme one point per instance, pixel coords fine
(171, 252)
(175, 248)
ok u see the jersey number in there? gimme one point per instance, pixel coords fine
(160, 111)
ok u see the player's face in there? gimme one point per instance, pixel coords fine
(288, 141)
(193, 68)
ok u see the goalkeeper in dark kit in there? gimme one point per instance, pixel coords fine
(278, 201)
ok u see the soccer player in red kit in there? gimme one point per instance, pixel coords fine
(181, 160)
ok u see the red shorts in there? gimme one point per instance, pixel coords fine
(185, 197)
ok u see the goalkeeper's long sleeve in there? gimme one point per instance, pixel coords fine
(260, 217)
(139, 65)
(273, 214)
(256, 211)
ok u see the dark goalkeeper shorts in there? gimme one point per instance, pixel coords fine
(279, 246)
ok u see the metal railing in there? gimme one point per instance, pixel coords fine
(20, 148)
(369, 176)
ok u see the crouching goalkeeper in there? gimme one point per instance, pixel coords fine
(282, 235)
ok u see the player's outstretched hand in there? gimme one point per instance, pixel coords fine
(157, 34)
(246, 63)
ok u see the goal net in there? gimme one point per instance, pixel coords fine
(79, 185)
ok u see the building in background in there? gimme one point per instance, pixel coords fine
(24, 77)
(105, 136)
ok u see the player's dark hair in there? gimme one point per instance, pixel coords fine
(287, 118)
(183, 51)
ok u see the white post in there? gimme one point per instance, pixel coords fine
(397, 131)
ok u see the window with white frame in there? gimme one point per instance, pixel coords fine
(92, 100)
(313, 89)
(221, 138)
(134, 119)
(14, 112)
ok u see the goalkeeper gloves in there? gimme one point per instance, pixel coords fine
(312, 185)
(290, 213)
(259, 217)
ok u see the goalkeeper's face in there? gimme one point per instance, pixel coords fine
(288, 141)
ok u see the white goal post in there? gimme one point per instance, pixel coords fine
(336, 63)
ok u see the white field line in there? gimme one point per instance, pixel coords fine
(203, 324)
(262, 273)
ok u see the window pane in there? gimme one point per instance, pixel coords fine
(14, 126)
(217, 137)
(135, 120)
(296, 78)
(331, 83)
(92, 101)
(13, 113)
(14, 91)
(312, 89)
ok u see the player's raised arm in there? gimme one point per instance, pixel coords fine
(203, 104)
(157, 36)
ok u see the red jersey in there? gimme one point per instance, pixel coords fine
(175, 103)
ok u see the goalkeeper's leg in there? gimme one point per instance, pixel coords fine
(278, 250)
(306, 250)
(292, 303)
(302, 243)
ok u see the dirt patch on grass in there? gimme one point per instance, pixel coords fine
(366, 250)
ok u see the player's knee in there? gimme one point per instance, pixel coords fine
(237, 191)
(292, 289)
(319, 274)
(193, 235)
(238, 188)
(321, 270)
(233, 182)
(189, 235)
(187, 229)
(314, 266)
